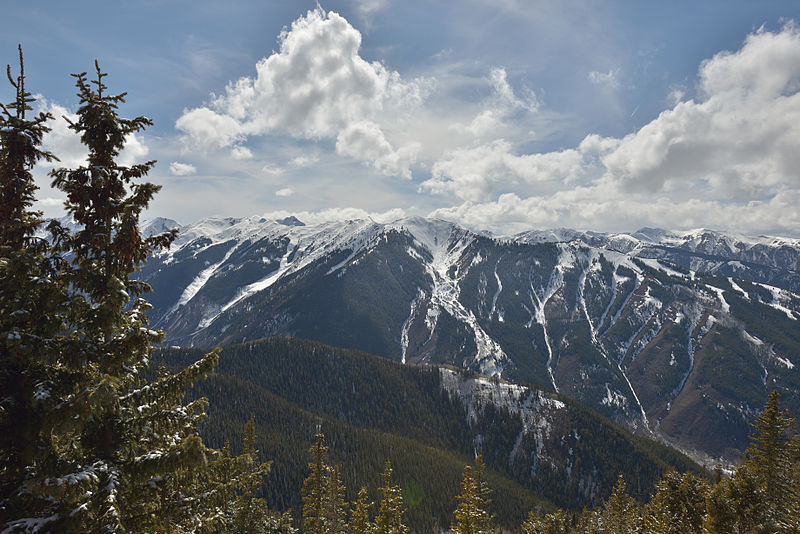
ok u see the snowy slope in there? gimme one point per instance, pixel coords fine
(634, 325)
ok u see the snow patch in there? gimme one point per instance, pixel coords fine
(726, 308)
(738, 288)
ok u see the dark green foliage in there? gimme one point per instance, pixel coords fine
(359, 514)
(473, 515)
(33, 301)
(678, 506)
(372, 409)
(100, 449)
(760, 497)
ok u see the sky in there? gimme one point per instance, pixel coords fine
(502, 115)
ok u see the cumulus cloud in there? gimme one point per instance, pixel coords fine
(479, 172)
(365, 141)
(241, 152)
(727, 159)
(316, 86)
(61, 140)
(182, 169)
(285, 192)
(742, 141)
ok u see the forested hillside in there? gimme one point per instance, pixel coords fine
(428, 421)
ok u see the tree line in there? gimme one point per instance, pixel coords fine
(761, 496)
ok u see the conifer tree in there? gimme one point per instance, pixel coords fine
(678, 506)
(552, 523)
(315, 487)
(621, 512)
(390, 511)
(769, 458)
(114, 452)
(359, 514)
(335, 507)
(249, 514)
(720, 517)
(472, 515)
(32, 303)
(763, 489)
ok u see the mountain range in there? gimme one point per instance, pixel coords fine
(677, 335)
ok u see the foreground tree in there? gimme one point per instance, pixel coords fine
(111, 452)
(315, 487)
(359, 514)
(391, 509)
(249, 514)
(678, 506)
(763, 492)
(32, 304)
(472, 513)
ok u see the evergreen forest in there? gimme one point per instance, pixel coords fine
(101, 432)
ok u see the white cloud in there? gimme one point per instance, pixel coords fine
(135, 151)
(241, 152)
(339, 214)
(182, 169)
(727, 160)
(605, 79)
(305, 160)
(741, 142)
(365, 141)
(502, 105)
(593, 208)
(285, 192)
(209, 129)
(61, 140)
(50, 201)
(478, 173)
(505, 95)
(316, 86)
(272, 169)
(368, 7)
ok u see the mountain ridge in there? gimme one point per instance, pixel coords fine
(635, 335)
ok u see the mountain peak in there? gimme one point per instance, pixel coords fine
(291, 220)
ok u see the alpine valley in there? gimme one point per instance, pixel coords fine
(679, 336)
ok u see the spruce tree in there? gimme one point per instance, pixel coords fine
(359, 514)
(678, 506)
(335, 506)
(315, 487)
(621, 512)
(766, 478)
(33, 300)
(390, 511)
(720, 518)
(553, 523)
(472, 515)
(249, 514)
(113, 452)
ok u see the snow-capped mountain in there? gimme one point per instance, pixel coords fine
(678, 335)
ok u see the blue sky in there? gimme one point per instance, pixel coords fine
(502, 115)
